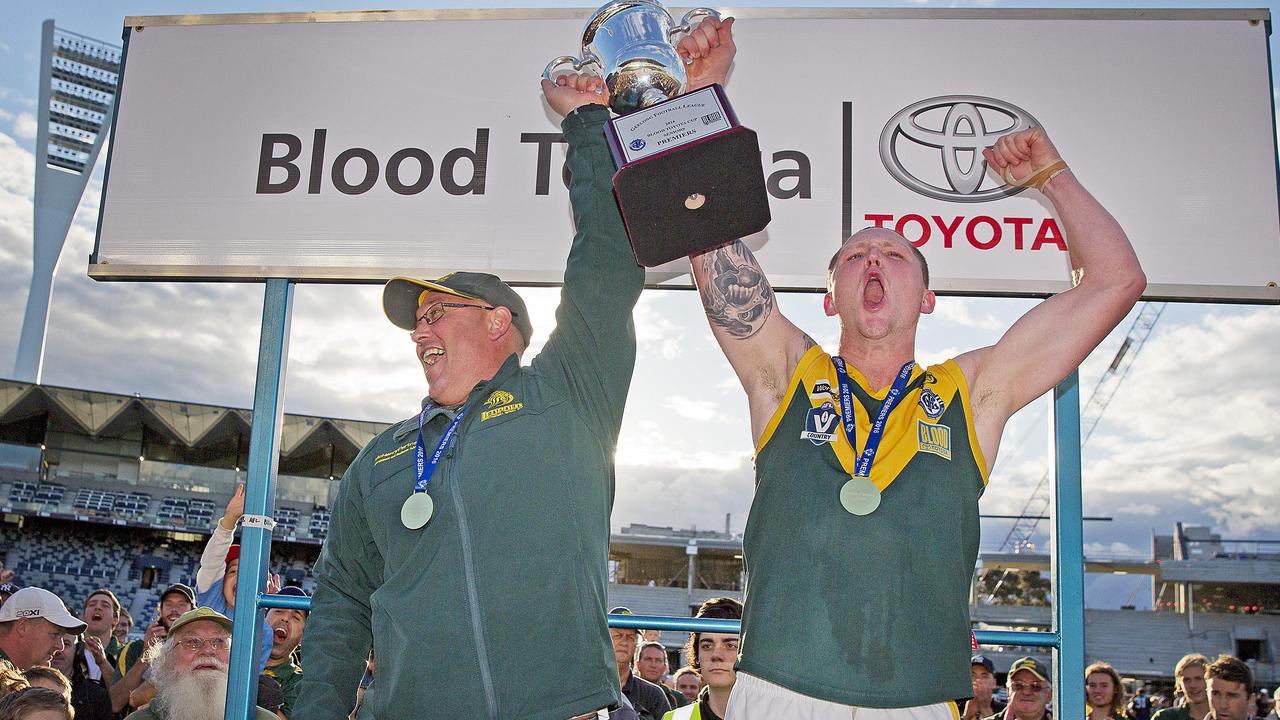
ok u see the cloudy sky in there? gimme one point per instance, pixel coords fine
(1185, 437)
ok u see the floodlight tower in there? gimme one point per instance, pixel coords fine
(78, 79)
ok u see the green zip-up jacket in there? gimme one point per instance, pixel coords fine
(496, 608)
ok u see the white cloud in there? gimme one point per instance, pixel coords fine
(1099, 551)
(1192, 428)
(24, 126)
(682, 497)
(958, 312)
(687, 445)
(657, 332)
(1145, 509)
(699, 410)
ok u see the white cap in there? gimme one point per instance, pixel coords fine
(32, 602)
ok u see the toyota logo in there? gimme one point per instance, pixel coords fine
(958, 127)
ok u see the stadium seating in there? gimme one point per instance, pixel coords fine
(287, 520)
(71, 559)
(319, 525)
(97, 502)
(22, 493)
(172, 511)
(200, 513)
(109, 500)
(132, 506)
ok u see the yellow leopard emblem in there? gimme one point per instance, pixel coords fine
(499, 397)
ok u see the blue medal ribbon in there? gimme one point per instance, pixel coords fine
(426, 468)
(849, 422)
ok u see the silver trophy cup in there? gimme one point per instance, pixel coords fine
(631, 43)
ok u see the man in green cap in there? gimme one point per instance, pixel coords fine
(189, 670)
(1030, 692)
(502, 483)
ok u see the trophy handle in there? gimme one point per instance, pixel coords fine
(560, 66)
(690, 21)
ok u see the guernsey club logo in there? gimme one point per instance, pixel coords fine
(500, 403)
(638, 144)
(499, 397)
(934, 146)
(820, 424)
(932, 405)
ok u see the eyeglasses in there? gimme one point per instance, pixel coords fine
(435, 310)
(194, 644)
(1018, 686)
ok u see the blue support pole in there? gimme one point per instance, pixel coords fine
(1067, 557)
(260, 493)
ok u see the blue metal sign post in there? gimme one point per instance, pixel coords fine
(1066, 557)
(259, 497)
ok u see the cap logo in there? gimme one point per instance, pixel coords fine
(30, 613)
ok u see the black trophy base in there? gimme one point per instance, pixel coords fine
(707, 193)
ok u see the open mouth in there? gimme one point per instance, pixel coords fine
(431, 355)
(280, 633)
(96, 617)
(873, 292)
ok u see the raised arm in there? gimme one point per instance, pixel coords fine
(760, 343)
(593, 346)
(1052, 339)
(213, 561)
(762, 346)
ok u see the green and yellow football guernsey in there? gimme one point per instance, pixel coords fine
(868, 610)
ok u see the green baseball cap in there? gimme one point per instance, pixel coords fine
(402, 295)
(201, 613)
(1030, 664)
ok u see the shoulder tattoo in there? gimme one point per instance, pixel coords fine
(736, 295)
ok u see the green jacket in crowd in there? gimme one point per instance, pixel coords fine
(496, 608)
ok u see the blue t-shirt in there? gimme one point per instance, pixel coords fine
(212, 598)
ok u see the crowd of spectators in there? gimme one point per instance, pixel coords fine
(176, 670)
(55, 663)
(1221, 689)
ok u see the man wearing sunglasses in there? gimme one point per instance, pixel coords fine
(447, 524)
(1029, 692)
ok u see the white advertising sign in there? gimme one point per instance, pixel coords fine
(357, 146)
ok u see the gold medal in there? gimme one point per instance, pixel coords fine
(860, 496)
(417, 510)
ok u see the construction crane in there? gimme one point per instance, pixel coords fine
(1021, 534)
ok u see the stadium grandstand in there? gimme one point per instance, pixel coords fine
(99, 489)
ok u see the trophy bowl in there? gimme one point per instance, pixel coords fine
(631, 45)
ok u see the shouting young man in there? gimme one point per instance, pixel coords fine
(870, 466)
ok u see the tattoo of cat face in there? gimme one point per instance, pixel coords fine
(737, 297)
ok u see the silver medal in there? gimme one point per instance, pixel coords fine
(416, 510)
(860, 496)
